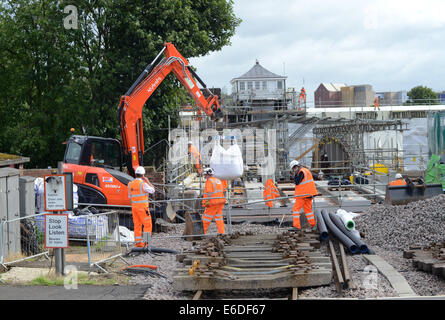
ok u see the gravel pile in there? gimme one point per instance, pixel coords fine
(391, 229)
(399, 227)
(162, 289)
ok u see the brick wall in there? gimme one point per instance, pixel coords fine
(158, 179)
(37, 172)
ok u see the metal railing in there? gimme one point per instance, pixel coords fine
(103, 238)
(22, 239)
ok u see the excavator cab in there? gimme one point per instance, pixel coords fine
(94, 151)
(96, 165)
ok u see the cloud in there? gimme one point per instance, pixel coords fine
(390, 44)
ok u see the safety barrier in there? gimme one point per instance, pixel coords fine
(22, 239)
(100, 232)
(103, 238)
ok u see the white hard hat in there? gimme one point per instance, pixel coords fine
(190, 142)
(208, 171)
(294, 163)
(398, 176)
(140, 170)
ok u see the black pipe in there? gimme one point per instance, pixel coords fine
(337, 221)
(324, 234)
(153, 249)
(338, 234)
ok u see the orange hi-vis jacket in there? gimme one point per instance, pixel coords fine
(307, 185)
(224, 184)
(398, 182)
(213, 189)
(138, 198)
(196, 155)
(302, 95)
(270, 192)
(376, 102)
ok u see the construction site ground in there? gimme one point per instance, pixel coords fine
(159, 288)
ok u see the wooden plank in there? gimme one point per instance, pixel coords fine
(344, 262)
(311, 278)
(335, 262)
(398, 282)
(197, 295)
(294, 293)
(438, 269)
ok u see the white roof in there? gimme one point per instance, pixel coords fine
(333, 86)
(258, 72)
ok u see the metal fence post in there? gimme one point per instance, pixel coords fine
(88, 240)
(1, 243)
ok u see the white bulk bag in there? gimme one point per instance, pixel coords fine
(227, 164)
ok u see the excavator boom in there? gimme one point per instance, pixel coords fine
(132, 103)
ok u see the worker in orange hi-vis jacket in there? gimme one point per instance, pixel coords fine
(376, 103)
(399, 181)
(270, 192)
(213, 207)
(302, 96)
(224, 184)
(196, 157)
(305, 188)
(138, 191)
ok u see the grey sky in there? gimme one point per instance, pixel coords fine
(391, 44)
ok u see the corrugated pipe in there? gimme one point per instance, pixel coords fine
(339, 223)
(324, 234)
(338, 234)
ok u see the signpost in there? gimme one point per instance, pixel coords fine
(58, 190)
(55, 193)
(56, 231)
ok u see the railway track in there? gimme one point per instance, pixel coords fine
(248, 263)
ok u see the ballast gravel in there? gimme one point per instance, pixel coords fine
(389, 230)
(162, 289)
(399, 227)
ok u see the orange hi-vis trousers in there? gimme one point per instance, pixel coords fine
(141, 217)
(213, 212)
(306, 204)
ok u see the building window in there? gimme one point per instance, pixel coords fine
(264, 85)
(249, 85)
(242, 86)
(279, 84)
(257, 85)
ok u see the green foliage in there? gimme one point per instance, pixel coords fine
(54, 79)
(422, 95)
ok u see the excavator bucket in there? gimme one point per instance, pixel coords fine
(413, 191)
(217, 115)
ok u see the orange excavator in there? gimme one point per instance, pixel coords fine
(96, 163)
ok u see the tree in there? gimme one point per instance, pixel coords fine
(56, 78)
(422, 95)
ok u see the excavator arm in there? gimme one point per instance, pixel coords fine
(131, 104)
